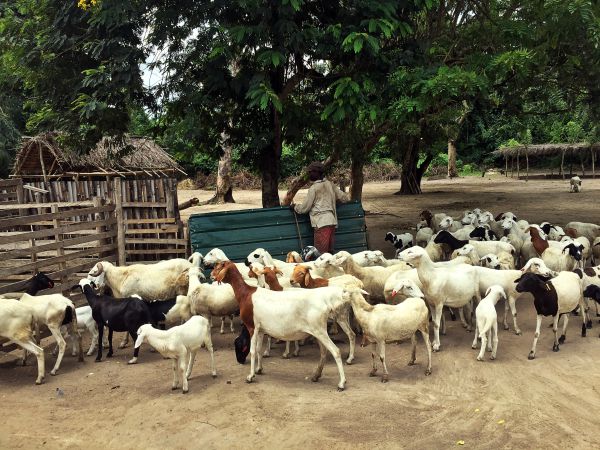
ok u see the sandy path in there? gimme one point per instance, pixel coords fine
(549, 402)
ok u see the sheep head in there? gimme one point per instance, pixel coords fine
(216, 255)
(222, 270)
(537, 266)
(497, 291)
(412, 255)
(96, 270)
(407, 288)
(141, 334)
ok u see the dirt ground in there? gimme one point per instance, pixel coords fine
(550, 402)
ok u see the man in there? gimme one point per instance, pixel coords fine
(320, 204)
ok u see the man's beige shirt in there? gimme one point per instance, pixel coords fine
(320, 203)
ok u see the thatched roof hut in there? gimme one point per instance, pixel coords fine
(42, 157)
(581, 149)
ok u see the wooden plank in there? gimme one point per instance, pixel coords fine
(155, 241)
(60, 251)
(170, 229)
(49, 232)
(147, 221)
(34, 219)
(120, 224)
(10, 183)
(41, 263)
(157, 251)
(45, 205)
(12, 254)
(144, 204)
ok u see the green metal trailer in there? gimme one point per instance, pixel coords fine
(240, 232)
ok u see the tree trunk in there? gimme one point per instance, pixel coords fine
(452, 172)
(224, 190)
(412, 173)
(358, 178)
(270, 165)
(301, 180)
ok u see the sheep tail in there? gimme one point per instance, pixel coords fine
(69, 316)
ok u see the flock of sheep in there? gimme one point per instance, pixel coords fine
(465, 264)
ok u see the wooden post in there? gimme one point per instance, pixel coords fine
(505, 165)
(21, 197)
(99, 217)
(512, 166)
(518, 165)
(571, 165)
(593, 161)
(562, 165)
(582, 165)
(120, 222)
(60, 250)
(527, 161)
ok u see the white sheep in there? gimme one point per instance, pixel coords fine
(501, 261)
(17, 324)
(180, 343)
(204, 299)
(373, 278)
(589, 230)
(216, 255)
(487, 321)
(391, 323)
(85, 322)
(575, 184)
(424, 235)
(454, 286)
(53, 311)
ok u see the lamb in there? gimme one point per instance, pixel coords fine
(373, 278)
(85, 322)
(180, 343)
(16, 324)
(449, 224)
(464, 255)
(454, 286)
(123, 314)
(487, 321)
(400, 241)
(554, 232)
(289, 315)
(575, 184)
(54, 310)
(390, 323)
(553, 297)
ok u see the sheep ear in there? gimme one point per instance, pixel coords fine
(278, 272)
(487, 292)
(306, 278)
(518, 279)
(498, 217)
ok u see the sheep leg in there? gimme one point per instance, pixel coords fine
(110, 347)
(494, 338)
(461, 314)
(506, 307)
(424, 330)
(267, 351)
(286, 353)
(259, 343)
(253, 339)
(436, 326)
(39, 354)
(319, 370)
(209, 347)
(443, 323)
(61, 347)
(513, 310)
(587, 321)
(476, 335)
(76, 337)
(181, 368)
(536, 336)
(222, 331)
(344, 323)
(385, 377)
(484, 341)
(124, 342)
(175, 384)
(374, 350)
(563, 336)
(231, 328)
(136, 351)
(94, 332)
(191, 359)
(100, 328)
(325, 340)
(296, 348)
(413, 350)
(555, 320)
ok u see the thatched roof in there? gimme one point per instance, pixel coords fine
(42, 155)
(546, 149)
